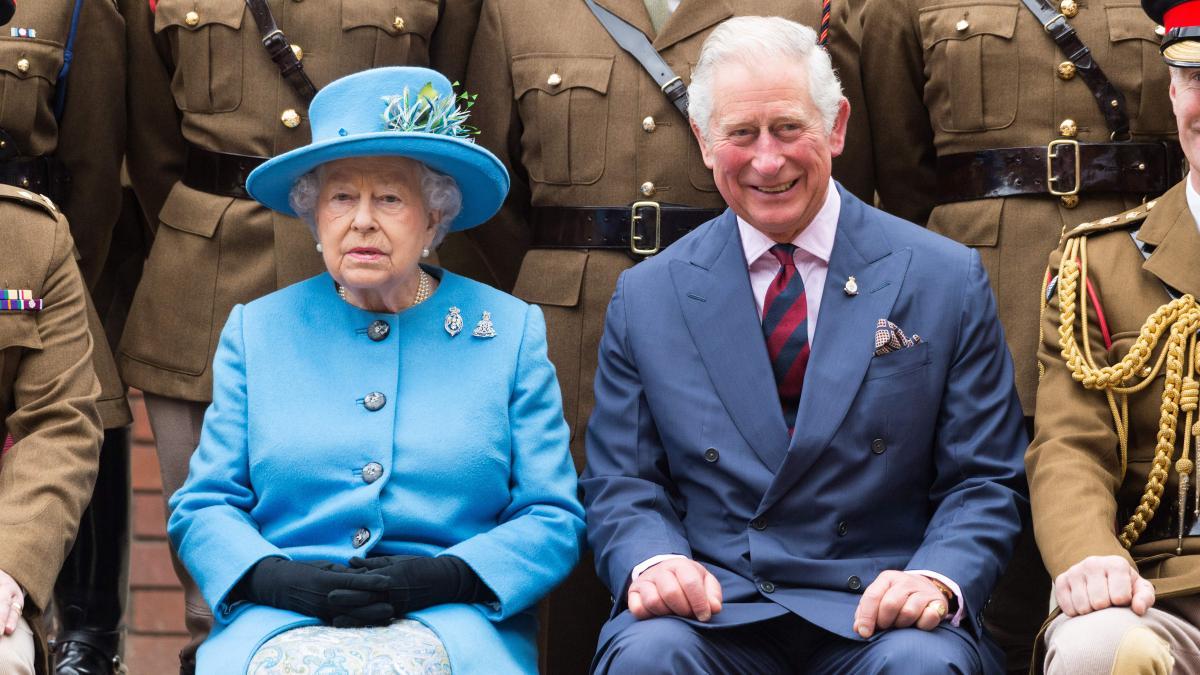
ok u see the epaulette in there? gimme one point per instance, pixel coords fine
(28, 198)
(1129, 218)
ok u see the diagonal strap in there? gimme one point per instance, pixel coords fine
(634, 41)
(280, 51)
(823, 34)
(1108, 98)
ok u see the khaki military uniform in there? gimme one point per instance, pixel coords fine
(200, 75)
(48, 393)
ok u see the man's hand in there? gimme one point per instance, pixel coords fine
(899, 600)
(12, 602)
(1102, 581)
(677, 586)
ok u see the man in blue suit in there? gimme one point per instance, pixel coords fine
(805, 454)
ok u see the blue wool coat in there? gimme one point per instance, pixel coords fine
(471, 439)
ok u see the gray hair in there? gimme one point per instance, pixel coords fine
(758, 39)
(439, 191)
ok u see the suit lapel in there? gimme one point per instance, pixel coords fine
(690, 18)
(1171, 229)
(713, 291)
(844, 342)
(633, 12)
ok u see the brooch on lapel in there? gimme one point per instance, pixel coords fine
(484, 328)
(19, 300)
(851, 287)
(453, 323)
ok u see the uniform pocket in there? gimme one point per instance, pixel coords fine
(386, 33)
(1136, 68)
(971, 65)
(564, 105)
(28, 70)
(208, 75)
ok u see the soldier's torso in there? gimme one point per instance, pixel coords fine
(31, 58)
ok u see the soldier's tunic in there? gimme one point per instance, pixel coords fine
(48, 393)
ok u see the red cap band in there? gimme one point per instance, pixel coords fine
(1181, 16)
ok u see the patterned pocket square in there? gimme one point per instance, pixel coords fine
(889, 338)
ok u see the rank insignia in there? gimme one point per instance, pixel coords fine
(19, 301)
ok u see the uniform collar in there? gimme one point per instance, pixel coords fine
(1171, 229)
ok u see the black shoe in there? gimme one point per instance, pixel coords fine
(80, 653)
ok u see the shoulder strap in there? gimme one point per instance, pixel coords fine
(31, 199)
(634, 41)
(1108, 98)
(280, 51)
(60, 92)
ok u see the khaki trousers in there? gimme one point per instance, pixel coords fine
(176, 424)
(1115, 640)
(17, 651)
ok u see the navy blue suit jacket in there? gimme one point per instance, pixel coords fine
(911, 460)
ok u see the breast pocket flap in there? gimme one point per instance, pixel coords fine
(414, 16)
(966, 21)
(194, 16)
(556, 73)
(1130, 23)
(24, 59)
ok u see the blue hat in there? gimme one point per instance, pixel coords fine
(398, 112)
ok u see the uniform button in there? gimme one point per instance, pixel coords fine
(1069, 8)
(962, 25)
(1068, 128)
(378, 330)
(767, 587)
(878, 446)
(648, 125)
(554, 80)
(854, 583)
(1066, 70)
(711, 455)
(298, 52)
(191, 18)
(1070, 201)
(759, 523)
(374, 401)
(372, 472)
(290, 118)
(361, 537)
(647, 189)
(398, 23)
(23, 65)
(842, 529)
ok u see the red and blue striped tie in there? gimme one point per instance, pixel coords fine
(785, 326)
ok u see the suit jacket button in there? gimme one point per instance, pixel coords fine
(759, 523)
(374, 401)
(711, 455)
(854, 583)
(842, 528)
(378, 330)
(878, 446)
(361, 537)
(372, 472)
(766, 587)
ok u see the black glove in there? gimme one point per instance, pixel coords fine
(306, 588)
(417, 582)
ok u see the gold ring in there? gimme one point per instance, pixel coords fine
(938, 608)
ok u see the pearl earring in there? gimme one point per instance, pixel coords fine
(425, 252)
(320, 249)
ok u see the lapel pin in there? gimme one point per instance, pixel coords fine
(484, 328)
(851, 287)
(453, 322)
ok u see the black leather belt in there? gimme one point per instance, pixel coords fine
(1063, 167)
(218, 173)
(642, 229)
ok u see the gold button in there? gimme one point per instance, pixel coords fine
(961, 25)
(23, 65)
(298, 52)
(192, 18)
(1160, 31)
(1115, 103)
(24, 181)
(1068, 128)
(554, 80)
(290, 118)
(1070, 201)
(1069, 8)
(647, 189)
(648, 125)
(1066, 70)
(398, 23)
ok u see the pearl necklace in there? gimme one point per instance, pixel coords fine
(424, 289)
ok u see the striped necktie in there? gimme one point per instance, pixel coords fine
(785, 327)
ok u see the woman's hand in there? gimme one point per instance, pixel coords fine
(309, 588)
(418, 582)
(12, 602)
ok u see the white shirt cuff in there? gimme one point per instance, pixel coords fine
(958, 616)
(637, 571)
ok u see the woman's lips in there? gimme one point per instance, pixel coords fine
(365, 254)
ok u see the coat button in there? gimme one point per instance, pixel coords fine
(1069, 8)
(842, 528)
(378, 330)
(962, 25)
(1070, 201)
(361, 537)
(1066, 70)
(759, 523)
(1068, 128)
(648, 125)
(372, 472)
(766, 587)
(290, 118)
(398, 23)
(23, 65)
(554, 80)
(374, 401)
(647, 189)
(854, 583)
(191, 18)
(878, 446)
(711, 455)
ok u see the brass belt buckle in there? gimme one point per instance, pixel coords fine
(635, 238)
(1051, 155)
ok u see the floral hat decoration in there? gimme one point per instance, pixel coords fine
(398, 112)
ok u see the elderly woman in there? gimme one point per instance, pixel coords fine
(386, 445)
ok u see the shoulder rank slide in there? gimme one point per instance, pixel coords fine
(19, 300)
(29, 199)
(1129, 218)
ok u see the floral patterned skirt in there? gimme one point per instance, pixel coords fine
(404, 647)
